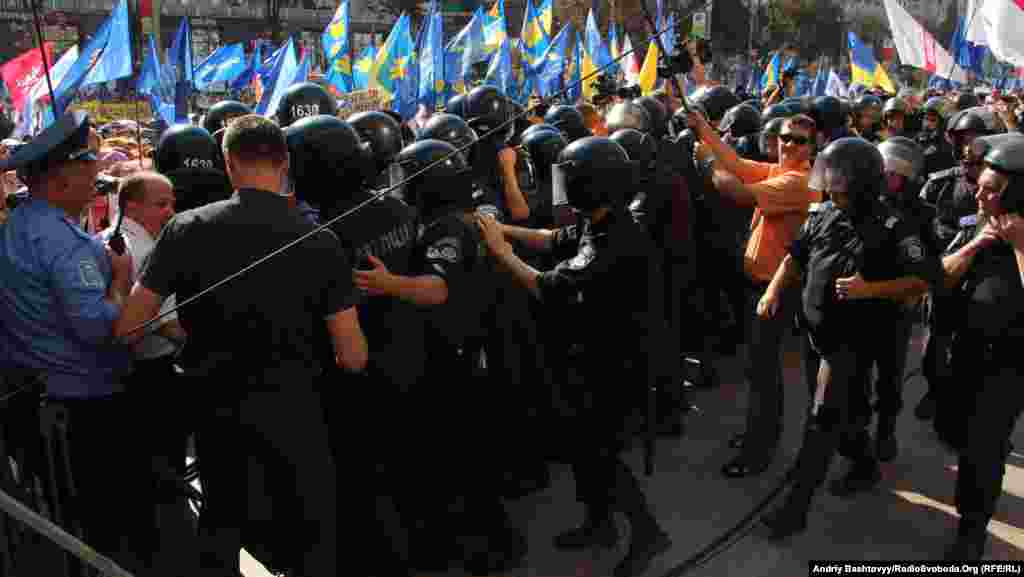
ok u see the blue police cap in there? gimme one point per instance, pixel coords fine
(65, 140)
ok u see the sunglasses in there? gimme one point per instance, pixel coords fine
(797, 140)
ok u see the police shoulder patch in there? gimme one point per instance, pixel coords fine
(446, 249)
(89, 273)
(969, 220)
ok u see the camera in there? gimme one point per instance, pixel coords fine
(606, 89)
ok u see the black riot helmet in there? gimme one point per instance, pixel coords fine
(628, 115)
(326, 156)
(186, 146)
(569, 120)
(775, 111)
(828, 114)
(381, 134)
(641, 148)
(302, 100)
(542, 149)
(590, 173)
(1006, 156)
(453, 130)
(537, 128)
(657, 113)
(851, 171)
(867, 101)
(220, 114)
(487, 109)
(966, 100)
(446, 185)
(456, 105)
(904, 157)
(768, 140)
(977, 121)
(741, 120)
(716, 101)
(188, 155)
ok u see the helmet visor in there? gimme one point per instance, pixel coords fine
(560, 184)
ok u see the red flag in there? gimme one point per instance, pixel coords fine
(22, 73)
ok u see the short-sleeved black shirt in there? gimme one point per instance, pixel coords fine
(264, 326)
(831, 245)
(953, 198)
(991, 294)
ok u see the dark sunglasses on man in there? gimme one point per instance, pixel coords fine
(799, 140)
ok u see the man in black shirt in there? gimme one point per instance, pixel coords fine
(857, 258)
(253, 356)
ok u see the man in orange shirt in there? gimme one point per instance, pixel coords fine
(779, 193)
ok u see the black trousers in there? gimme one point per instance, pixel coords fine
(269, 482)
(888, 349)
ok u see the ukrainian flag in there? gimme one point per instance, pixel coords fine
(864, 69)
(361, 70)
(391, 71)
(495, 29)
(572, 79)
(545, 12)
(772, 73)
(533, 39)
(551, 69)
(595, 56)
(336, 48)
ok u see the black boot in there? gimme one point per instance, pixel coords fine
(886, 446)
(863, 475)
(971, 535)
(812, 466)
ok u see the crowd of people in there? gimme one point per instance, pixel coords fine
(470, 297)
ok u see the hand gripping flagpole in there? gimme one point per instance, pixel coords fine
(46, 63)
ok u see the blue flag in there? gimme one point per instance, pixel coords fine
(107, 56)
(245, 79)
(820, 82)
(431, 54)
(335, 40)
(225, 64)
(150, 84)
(550, 69)
(361, 70)
(390, 73)
(281, 78)
(180, 58)
(499, 72)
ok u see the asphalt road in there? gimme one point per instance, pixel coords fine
(910, 516)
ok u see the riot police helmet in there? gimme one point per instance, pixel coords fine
(1006, 156)
(775, 111)
(641, 148)
(439, 178)
(591, 172)
(381, 134)
(628, 115)
(302, 100)
(326, 155)
(537, 128)
(186, 146)
(966, 100)
(453, 130)
(903, 156)
(487, 109)
(657, 113)
(542, 148)
(741, 120)
(828, 114)
(456, 105)
(851, 171)
(220, 114)
(716, 100)
(569, 120)
(768, 141)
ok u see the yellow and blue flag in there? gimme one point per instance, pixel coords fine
(613, 40)
(545, 10)
(495, 27)
(335, 40)
(648, 79)
(431, 54)
(463, 51)
(361, 70)
(391, 68)
(572, 81)
(772, 72)
(551, 68)
(595, 56)
(499, 73)
(533, 39)
(864, 69)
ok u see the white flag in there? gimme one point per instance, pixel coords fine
(835, 86)
(917, 47)
(1004, 20)
(974, 20)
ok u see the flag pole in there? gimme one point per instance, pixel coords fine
(46, 64)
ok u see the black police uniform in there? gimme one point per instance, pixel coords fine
(938, 154)
(253, 355)
(831, 245)
(953, 199)
(979, 414)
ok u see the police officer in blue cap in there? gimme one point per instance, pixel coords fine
(60, 293)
